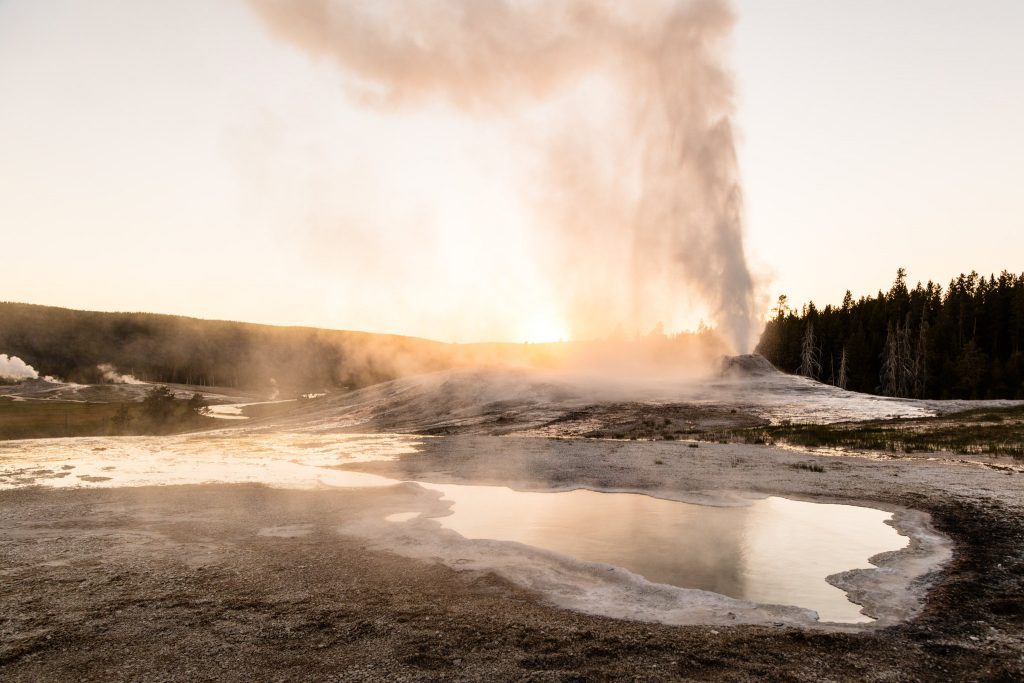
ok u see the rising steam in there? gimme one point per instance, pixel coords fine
(14, 369)
(641, 206)
(110, 374)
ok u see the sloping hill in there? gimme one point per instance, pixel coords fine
(746, 391)
(72, 345)
(162, 348)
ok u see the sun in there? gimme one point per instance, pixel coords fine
(545, 329)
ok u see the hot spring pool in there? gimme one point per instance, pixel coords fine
(770, 550)
(773, 551)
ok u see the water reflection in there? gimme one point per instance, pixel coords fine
(774, 551)
(236, 411)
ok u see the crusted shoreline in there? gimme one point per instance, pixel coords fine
(228, 582)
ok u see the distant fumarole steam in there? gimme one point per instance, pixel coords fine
(14, 368)
(110, 374)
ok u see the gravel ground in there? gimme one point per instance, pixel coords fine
(245, 582)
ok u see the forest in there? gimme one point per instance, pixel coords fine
(964, 341)
(84, 346)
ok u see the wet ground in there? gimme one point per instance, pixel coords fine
(534, 403)
(742, 545)
(243, 582)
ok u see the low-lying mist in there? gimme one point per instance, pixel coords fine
(626, 111)
(128, 348)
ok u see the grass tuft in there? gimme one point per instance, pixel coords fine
(996, 432)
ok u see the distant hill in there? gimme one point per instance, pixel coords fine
(72, 344)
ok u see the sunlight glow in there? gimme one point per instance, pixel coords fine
(544, 329)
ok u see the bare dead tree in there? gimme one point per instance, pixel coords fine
(890, 363)
(809, 363)
(903, 362)
(905, 359)
(843, 371)
(921, 360)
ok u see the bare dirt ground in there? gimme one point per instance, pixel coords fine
(230, 582)
(220, 581)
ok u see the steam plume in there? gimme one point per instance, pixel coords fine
(14, 368)
(110, 374)
(642, 204)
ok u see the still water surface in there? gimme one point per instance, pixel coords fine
(775, 550)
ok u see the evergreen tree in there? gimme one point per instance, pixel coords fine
(964, 341)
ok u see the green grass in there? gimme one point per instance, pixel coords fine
(977, 432)
(47, 419)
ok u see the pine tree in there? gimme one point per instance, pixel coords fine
(781, 307)
(961, 341)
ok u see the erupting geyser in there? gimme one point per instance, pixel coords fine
(641, 205)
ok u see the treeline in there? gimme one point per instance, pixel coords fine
(72, 345)
(966, 341)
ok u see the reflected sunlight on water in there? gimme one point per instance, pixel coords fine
(774, 551)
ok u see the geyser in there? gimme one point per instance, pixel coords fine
(640, 209)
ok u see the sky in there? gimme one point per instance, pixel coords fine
(179, 158)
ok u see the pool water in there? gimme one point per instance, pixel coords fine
(773, 550)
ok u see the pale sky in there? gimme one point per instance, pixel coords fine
(174, 157)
